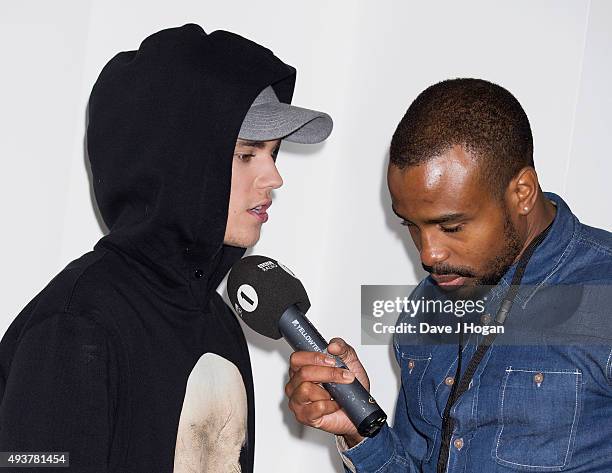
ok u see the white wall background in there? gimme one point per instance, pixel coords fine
(363, 62)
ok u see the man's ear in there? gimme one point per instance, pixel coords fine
(522, 191)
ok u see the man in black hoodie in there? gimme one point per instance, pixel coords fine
(129, 359)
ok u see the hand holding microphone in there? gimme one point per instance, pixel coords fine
(311, 404)
(272, 301)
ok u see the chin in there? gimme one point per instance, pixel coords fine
(241, 241)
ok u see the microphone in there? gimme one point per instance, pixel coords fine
(268, 297)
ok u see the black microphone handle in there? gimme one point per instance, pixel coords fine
(360, 407)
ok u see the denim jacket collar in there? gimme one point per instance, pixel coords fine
(548, 256)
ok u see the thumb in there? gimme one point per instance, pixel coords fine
(340, 348)
(348, 355)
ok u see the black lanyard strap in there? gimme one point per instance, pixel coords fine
(462, 383)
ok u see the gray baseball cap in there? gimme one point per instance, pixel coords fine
(270, 119)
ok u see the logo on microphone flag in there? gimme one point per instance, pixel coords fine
(247, 297)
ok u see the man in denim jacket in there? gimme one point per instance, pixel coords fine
(462, 179)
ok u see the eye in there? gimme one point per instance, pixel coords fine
(406, 223)
(454, 229)
(275, 153)
(244, 157)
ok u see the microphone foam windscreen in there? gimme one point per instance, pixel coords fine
(261, 289)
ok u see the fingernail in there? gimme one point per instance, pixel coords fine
(346, 374)
(330, 361)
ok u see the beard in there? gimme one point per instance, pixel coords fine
(500, 264)
(496, 266)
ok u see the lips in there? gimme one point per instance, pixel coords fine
(259, 211)
(448, 279)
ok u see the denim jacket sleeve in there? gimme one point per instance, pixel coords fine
(384, 452)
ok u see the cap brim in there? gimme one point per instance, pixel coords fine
(272, 121)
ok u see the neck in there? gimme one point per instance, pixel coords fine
(540, 217)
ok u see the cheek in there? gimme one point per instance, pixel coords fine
(241, 185)
(483, 242)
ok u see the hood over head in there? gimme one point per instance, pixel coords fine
(163, 123)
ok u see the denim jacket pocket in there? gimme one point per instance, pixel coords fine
(538, 416)
(414, 368)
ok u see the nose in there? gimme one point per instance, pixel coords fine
(431, 251)
(269, 177)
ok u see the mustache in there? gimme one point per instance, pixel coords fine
(444, 269)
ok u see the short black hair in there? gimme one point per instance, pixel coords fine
(484, 118)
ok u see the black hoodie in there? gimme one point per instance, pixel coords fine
(98, 364)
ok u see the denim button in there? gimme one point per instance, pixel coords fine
(410, 364)
(485, 319)
(198, 273)
(538, 378)
(449, 380)
(458, 443)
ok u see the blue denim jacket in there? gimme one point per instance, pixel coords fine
(543, 406)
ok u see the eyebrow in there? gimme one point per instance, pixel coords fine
(254, 144)
(445, 218)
